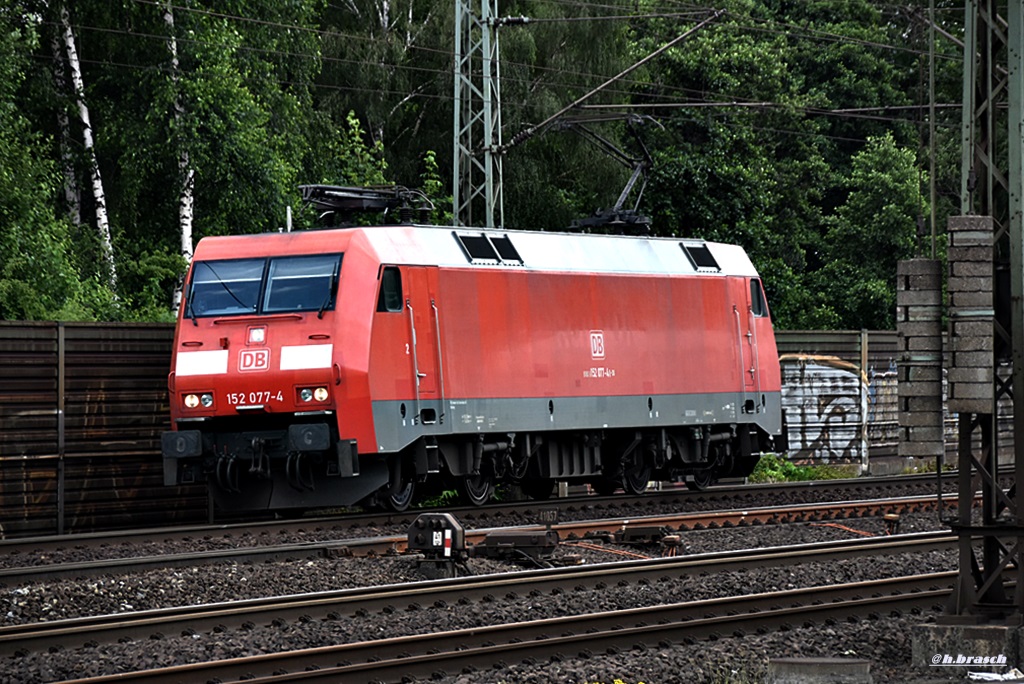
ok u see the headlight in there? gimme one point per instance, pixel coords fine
(320, 394)
(306, 394)
(191, 400)
(206, 400)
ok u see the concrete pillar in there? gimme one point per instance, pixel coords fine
(919, 335)
(971, 314)
(819, 671)
(955, 649)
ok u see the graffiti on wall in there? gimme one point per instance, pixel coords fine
(883, 407)
(833, 409)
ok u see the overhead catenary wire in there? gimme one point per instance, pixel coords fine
(854, 113)
(791, 30)
(724, 100)
(668, 104)
(794, 30)
(638, 106)
(636, 65)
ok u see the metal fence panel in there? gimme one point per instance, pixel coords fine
(82, 406)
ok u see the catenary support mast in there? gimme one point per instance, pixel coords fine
(991, 539)
(477, 175)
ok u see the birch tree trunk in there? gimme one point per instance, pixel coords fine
(185, 171)
(72, 201)
(102, 225)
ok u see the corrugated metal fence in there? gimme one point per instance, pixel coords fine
(82, 407)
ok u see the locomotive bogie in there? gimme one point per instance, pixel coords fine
(335, 367)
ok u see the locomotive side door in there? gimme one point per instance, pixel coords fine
(747, 333)
(423, 317)
(756, 310)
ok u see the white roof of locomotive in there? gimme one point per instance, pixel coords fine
(573, 252)
(453, 247)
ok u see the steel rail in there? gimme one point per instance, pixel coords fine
(472, 515)
(483, 647)
(793, 513)
(143, 624)
(396, 544)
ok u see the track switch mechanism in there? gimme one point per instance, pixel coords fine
(441, 539)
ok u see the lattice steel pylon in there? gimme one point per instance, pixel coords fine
(477, 173)
(991, 540)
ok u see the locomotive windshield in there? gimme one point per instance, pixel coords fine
(263, 286)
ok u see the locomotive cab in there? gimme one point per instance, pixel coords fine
(256, 384)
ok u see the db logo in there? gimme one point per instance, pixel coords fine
(597, 344)
(254, 360)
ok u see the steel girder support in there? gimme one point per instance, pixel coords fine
(992, 539)
(477, 160)
(1015, 153)
(982, 176)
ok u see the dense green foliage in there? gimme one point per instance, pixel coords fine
(772, 468)
(37, 278)
(793, 128)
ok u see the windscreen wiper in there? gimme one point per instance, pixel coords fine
(329, 297)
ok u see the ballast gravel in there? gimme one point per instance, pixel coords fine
(885, 642)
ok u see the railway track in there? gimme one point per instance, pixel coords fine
(516, 512)
(73, 633)
(334, 605)
(246, 551)
(507, 513)
(642, 628)
(448, 652)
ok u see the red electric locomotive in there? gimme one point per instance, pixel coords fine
(343, 366)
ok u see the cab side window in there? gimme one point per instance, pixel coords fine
(757, 304)
(390, 298)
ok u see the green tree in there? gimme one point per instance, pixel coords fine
(873, 229)
(433, 186)
(743, 163)
(239, 105)
(37, 280)
(566, 52)
(783, 97)
(390, 62)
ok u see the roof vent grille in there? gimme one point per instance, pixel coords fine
(700, 257)
(489, 249)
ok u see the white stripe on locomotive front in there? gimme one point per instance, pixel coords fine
(202, 363)
(307, 357)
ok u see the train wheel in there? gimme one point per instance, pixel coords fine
(538, 490)
(635, 476)
(700, 480)
(399, 498)
(476, 489)
(399, 493)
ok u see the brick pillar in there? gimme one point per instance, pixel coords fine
(971, 314)
(919, 334)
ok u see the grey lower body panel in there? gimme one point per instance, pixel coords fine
(400, 423)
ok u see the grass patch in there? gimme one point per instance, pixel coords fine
(929, 465)
(774, 468)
